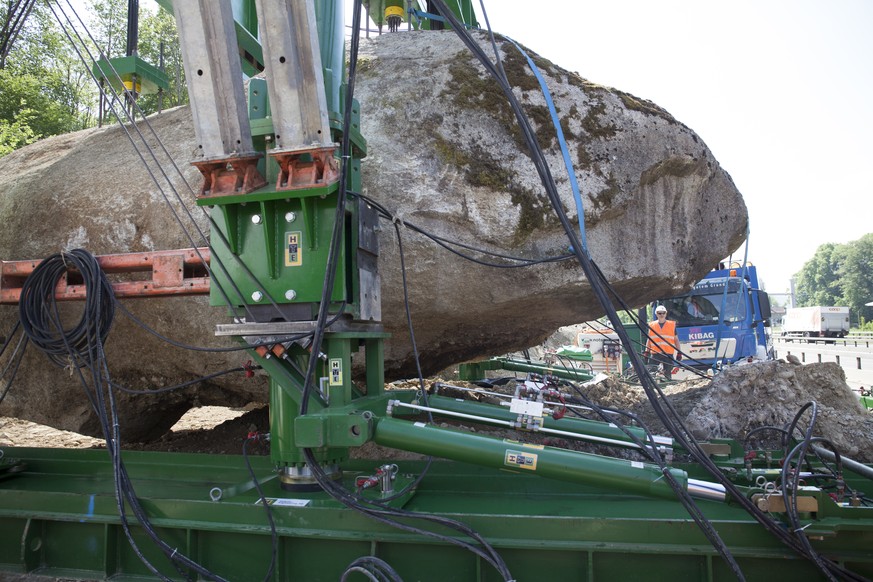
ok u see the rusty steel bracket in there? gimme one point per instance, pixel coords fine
(230, 176)
(172, 272)
(305, 168)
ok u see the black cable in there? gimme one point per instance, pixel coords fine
(585, 262)
(450, 244)
(175, 387)
(185, 346)
(337, 491)
(38, 298)
(372, 567)
(422, 391)
(274, 536)
(79, 347)
(215, 229)
(14, 358)
(643, 326)
(790, 484)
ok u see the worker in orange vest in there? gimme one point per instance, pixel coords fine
(663, 344)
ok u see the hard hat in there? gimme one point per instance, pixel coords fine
(660, 309)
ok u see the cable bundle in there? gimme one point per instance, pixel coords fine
(41, 319)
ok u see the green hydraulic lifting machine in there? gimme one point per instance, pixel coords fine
(294, 262)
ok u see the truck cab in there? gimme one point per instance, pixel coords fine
(723, 319)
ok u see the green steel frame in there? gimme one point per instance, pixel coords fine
(58, 518)
(550, 512)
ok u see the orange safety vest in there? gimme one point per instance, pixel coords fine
(667, 342)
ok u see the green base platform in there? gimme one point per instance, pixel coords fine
(58, 517)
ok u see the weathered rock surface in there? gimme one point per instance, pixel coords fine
(443, 154)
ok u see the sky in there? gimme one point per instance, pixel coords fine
(779, 90)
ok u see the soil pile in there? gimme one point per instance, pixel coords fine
(743, 398)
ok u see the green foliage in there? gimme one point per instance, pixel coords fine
(158, 45)
(109, 26)
(839, 274)
(818, 282)
(31, 107)
(16, 134)
(155, 29)
(43, 88)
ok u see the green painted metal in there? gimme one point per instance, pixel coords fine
(329, 430)
(59, 519)
(567, 423)
(615, 475)
(292, 261)
(330, 15)
(472, 371)
(550, 512)
(119, 71)
(637, 341)
(414, 10)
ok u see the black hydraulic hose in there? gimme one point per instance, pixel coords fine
(15, 359)
(587, 267)
(859, 468)
(38, 304)
(335, 490)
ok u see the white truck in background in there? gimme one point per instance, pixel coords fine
(816, 321)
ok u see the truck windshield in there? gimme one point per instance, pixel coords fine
(703, 304)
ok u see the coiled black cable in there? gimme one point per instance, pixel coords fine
(41, 319)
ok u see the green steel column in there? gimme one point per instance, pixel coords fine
(338, 369)
(246, 15)
(283, 410)
(330, 16)
(593, 470)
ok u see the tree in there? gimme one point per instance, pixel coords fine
(159, 45)
(16, 134)
(42, 85)
(839, 274)
(856, 273)
(818, 282)
(109, 26)
(13, 15)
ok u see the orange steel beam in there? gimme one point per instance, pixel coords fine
(173, 272)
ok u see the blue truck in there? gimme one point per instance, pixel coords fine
(723, 319)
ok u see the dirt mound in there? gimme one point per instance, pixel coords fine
(772, 393)
(743, 398)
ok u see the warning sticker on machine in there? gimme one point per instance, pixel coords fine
(336, 372)
(520, 460)
(285, 502)
(293, 252)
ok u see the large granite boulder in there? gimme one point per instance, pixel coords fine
(444, 154)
